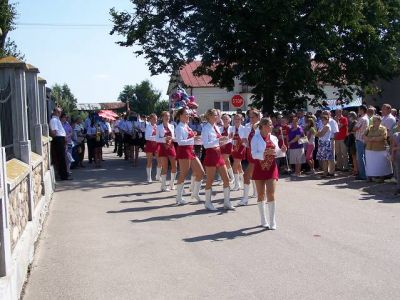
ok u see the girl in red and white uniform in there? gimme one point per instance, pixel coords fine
(186, 137)
(265, 149)
(165, 135)
(213, 161)
(227, 130)
(251, 129)
(151, 147)
(238, 151)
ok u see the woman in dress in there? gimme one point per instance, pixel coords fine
(310, 146)
(265, 149)
(238, 151)
(95, 134)
(325, 150)
(377, 163)
(186, 137)
(296, 150)
(250, 130)
(226, 150)
(213, 161)
(165, 135)
(151, 148)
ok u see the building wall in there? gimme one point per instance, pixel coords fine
(390, 94)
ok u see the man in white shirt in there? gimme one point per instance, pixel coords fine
(388, 120)
(359, 129)
(58, 144)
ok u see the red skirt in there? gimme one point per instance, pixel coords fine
(239, 153)
(249, 158)
(261, 173)
(214, 158)
(151, 147)
(185, 152)
(226, 149)
(165, 150)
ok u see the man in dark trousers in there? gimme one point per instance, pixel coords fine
(58, 144)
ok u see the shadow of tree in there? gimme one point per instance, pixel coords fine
(227, 235)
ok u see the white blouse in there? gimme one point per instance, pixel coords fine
(149, 132)
(231, 131)
(258, 146)
(160, 133)
(182, 133)
(241, 131)
(209, 136)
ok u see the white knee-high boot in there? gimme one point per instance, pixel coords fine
(271, 208)
(236, 186)
(231, 175)
(241, 181)
(164, 187)
(208, 204)
(148, 171)
(192, 181)
(254, 195)
(179, 192)
(158, 174)
(227, 199)
(245, 199)
(261, 208)
(196, 191)
(172, 182)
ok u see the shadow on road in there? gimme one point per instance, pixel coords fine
(176, 216)
(381, 192)
(227, 235)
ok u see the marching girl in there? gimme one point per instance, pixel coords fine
(265, 149)
(213, 161)
(226, 150)
(251, 128)
(151, 147)
(238, 151)
(185, 137)
(165, 135)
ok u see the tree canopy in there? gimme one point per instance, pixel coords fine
(142, 97)
(63, 97)
(8, 13)
(284, 50)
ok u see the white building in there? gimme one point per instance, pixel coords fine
(209, 96)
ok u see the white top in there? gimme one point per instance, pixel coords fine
(148, 135)
(241, 131)
(160, 133)
(328, 135)
(141, 125)
(182, 133)
(231, 130)
(389, 121)
(334, 127)
(55, 125)
(247, 130)
(209, 136)
(258, 146)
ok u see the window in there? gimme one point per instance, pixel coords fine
(221, 105)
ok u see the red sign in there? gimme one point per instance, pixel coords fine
(237, 101)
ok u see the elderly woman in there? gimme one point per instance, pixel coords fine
(325, 150)
(377, 163)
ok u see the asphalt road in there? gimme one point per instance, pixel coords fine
(109, 235)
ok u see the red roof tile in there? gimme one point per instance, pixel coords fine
(191, 80)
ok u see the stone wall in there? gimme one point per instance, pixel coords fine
(18, 210)
(37, 182)
(46, 149)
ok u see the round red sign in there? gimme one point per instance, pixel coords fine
(237, 101)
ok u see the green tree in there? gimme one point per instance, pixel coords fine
(161, 106)
(284, 50)
(63, 97)
(8, 13)
(142, 97)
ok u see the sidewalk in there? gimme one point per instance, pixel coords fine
(109, 235)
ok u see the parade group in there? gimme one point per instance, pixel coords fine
(242, 151)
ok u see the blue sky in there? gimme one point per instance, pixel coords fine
(86, 58)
